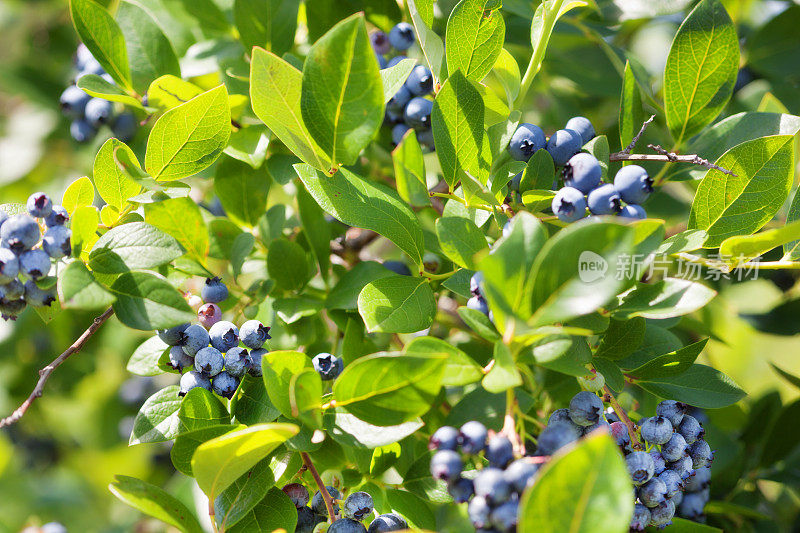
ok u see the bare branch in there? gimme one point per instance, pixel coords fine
(635, 140)
(665, 156)
(44, 374)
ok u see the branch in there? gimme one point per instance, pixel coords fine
(320, 485)
(608, 396)
(635, 140)
(44, 374)
(665, 156)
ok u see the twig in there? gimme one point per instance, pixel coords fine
(635, 140)
(510, 424)
(665, 156)
(623, 416)
(320, 485)
(44, 374)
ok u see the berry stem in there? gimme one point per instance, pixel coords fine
(608, 396)
(434, 277)
(320, 485)
(44, 373)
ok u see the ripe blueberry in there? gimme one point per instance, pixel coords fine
(585, 408)
(57, 242)
(297, 493)
(237, 361)
(81, 131)
(398, 267)
(672, 411)
(674, 448)
(224, 384)
(475, 283)
(98, 112)
(520, 474)
(472, 437)
(9, 265)
(583, 127)
(73, 101)
(555, 436)
(653, 493)
(347, 525)
(425, 138)
(633, 184)
(657, 430)
(461, 489)
(641, 517)
(214, 291)
(58, 216)
(178, 359)
(209, 361)
(417, 113)
(662, 515)
(398, 131)
(224, 335)
(527, 139)
(633, 211)
(398, 102)
(562, 145)
(689, 427)
(499, 451)
(39, 205)
(82, 56)
(559, 415)
(683, 467)
(395, 60)
(604, 200)
(583, 172)
(34, 264)
(640, 467)
(701, 453)
(306, 520)
(209, 314)
(478, 512)
(492, 485)
(402, 36)
(38, 297)
(446, 465)
(600, 424)
(195, 338)
(444, 438)
(386, 523)
(318, 502)
(193, 379)
(254, 334)
(478, 303)
(420, 81)
(12, 290)
(328, 366)
(569, 205)
(619, 432)
(254, 362)
(692, 505)
(380, 42)
(357, 505)
(174, 335)
(124, 127)
(672, 481)
(19, 233)
(505, 516)
(10, 309)
(659, 462)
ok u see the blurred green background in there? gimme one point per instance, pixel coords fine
(57, 462)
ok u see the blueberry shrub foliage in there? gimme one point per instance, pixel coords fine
(432, 265)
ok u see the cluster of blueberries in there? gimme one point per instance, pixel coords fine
(26, 254)
(582, 174)
(355, 509)
(408, 108)
(89, 114)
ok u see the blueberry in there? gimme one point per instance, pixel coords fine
(297, 493)
(593, 382)
(357, 505)
(10, 309)
(53, 527)
(520, 474)
(73, 101)
(569, 205)
(562, 145)
(583, 172)
(692, 505)
(632, 211)
(34, 264)
(380, 42)
(92, 66)
(224, 335)
(254, 362)
(19, 233)
(195, 338)
(461, 489)
(640, 467)
(174, 335)
(98, 112)
(398, 267)
(478, 512)
(559, 415)
(425, 138)
(527, 139)
(193, 379)
(677, 498)
(398, 102)
(505, 516)
(641, 517)
(475, 283)
(583, 127)
(658, 461)
(472, 437)
(381, 61)
(657, 430)
(672, 481)
(224, 384)
(209, 361)
(82, 56)
(555, 436)
(178, 359)
(3, 217)
(386, 523)
(418, 113)
(124, 127)
(318, 502)
(674, 448)
(633, 184)
(662, 515)
(689, 427)
(254, 334)
(499, 451)
(347, 525)
(700, 480)
(585, 408)
(39, 205)
(328, 366)
(492, 485)
(600, 424)
(420, 81)
(604, 200)
(395, 60)
(208, 315)
(306, 520)
(672, 411)
(611, 416)
(214, 291)
(237, 361)
(81, 131)
(12, 290)
(57, 217)
(478, 303)
(38, 297)
(444, 438)
(653, 493)
(402, 36)
(701, 453)
(9, 265)
(683, 467)
(619, 432)
(398, 131)
(57, 242)
(446, 465)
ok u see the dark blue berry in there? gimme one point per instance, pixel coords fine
(659, 463)
(10, 309)
(19, 233)
(398, 102)
(526, 140)
(224, 384)
(38, 297)
(520, 474)
(398, 267)
(461, 489)
(214, 291)
(254, 359)
(641, 517)
(306, 520)
(562, 145)
(492, 485)
(402, 36)
(674, 448)
(569, 205)
(318, 502)
(585, 408)
(9, 265)
(683, 467)
(700, 480)
(357, 505)
(475, 283)
(640, 467)
(237, 361)
(653, 493)
(499, 451)
(398, 131)
(39, 205)
(661, 516)
(701, 453)
(604, 200)
(172, 336)
(224, 335)
(124, 127)
(34, 264)
(505, 516)
(58, 216)
(328, 366)
(672, 411)
(583, 127)
(254, 334)
(478, 512)
(418, 113)
(633, 184)
(209, 361)
(689, 427)
(193, 379)
(583, 172)
(73, 101)
(297, 493)
(57, 242)
(478, 303)
(672, 481)
(692, 505)
(420, 81)
(555, 436)
(446, 465)
(386, 523)
(634, 212)
(195, 338)
(657, 430)
(444, 438)
(380, 42)
(347, 525)
(98, 112)
(472, 437)
(81, 130)
(178, 359)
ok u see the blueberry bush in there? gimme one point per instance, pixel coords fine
(370, 266)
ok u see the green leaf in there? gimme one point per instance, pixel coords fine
(479, 323)
(457, 121)
(155, 502)
(622, 338)
(460, 240)
(287, 264)
(701, 70)
(344, 294)
(242, 190)
(539, 173)
(504, 374)
(186, 443)
(239, 499)
(242, 245)
(270, 24)
(417, 510)
(190, 137)
(791, 378)
(584, 489)
(251, 404)
(666, 298)
(341, 93)
(274, 513)
(598, 147)
(726, 206)
(77, 289)
(409, 171)
(657, 342)
(275, 95)
(685, 241)
(365, 204)
(460, 370)
(506, 71)
(149, 51)
(102, 36)
(218, 463)
(144, 360)
(611, 372)
(305, 397)
(670, 364)
(388, 389)
(791, 250)
(350, 431)
(147, 301)
(279, 368)
(113, 184)
(170, 91)
(631, 114)
(157, 419)
(475, 35)
(249, 145)
(290, 310)
(80, 193)
(782, 439)
(134, 246)
(200, 409)
(181, 218)
(316, 229)
(421, 12)
(394, 77)
(99, 87)
(701, 386)
(742, 248)
(83, 223)
(397, 304)
(563, 353)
